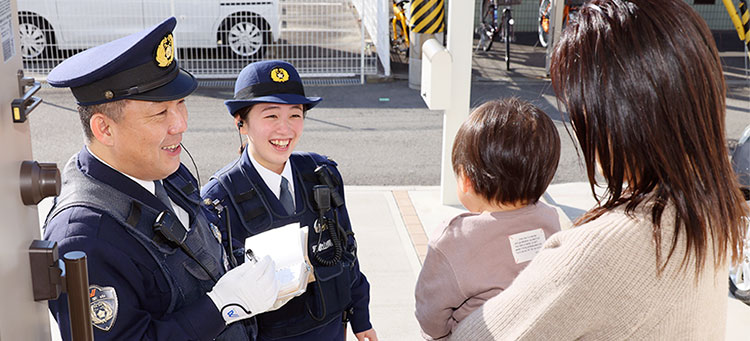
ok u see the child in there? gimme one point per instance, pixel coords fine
(504, 156)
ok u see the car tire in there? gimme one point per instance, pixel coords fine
(36, 36)
(244, 36)
(740, 294)
(739, 274)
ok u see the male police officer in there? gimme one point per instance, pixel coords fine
(156, 266)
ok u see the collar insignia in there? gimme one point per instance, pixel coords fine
(103, 302)
(165, 51)
(279, 75)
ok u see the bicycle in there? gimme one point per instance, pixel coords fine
(490, 27)
(545, 15)
(400, 26)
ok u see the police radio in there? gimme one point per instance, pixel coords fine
(324, 176)
(171, 231)
(322, 198)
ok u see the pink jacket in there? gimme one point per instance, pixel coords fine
(472, 259)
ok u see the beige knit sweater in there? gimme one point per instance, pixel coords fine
(599, 281)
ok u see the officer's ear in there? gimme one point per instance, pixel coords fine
(240, 125)
(101, 128)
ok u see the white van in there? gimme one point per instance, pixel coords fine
(242, 28)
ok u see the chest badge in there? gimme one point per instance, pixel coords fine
(103, 302)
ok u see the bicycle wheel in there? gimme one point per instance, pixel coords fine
(487, 28)
(489, 37)
(399, 44)
(507, 24)
(545, 6)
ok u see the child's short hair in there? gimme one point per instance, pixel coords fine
(509, 149)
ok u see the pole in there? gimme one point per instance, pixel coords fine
(77, 282)
(555, 28)
(460, 19)
(362, 38)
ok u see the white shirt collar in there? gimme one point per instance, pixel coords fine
(273, 180)
(182, 215)
(148, 185)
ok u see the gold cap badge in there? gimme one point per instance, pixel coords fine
(165, 51)
(279, 75)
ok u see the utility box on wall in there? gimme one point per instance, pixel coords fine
(436, 75)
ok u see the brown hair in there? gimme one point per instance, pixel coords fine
(112, 110)
(509, 149)
(643, 85)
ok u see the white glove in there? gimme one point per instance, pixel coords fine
(246, 290)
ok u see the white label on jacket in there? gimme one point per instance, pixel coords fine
(526, 245)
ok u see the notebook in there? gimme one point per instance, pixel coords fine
(286, 245)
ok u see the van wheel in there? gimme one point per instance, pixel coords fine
(244, 36)
(36, 36)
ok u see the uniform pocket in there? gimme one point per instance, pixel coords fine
(334, 288)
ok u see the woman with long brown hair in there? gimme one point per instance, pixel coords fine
(643, 85)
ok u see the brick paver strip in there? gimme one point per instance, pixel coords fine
(412, 223)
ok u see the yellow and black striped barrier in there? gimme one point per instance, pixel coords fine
(735, 18)
(741, 21)
(427, 16)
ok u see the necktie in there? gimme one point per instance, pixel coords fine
(286, 197)
(161, 194)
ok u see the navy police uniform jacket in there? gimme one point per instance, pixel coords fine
(141, 287)
(340, 291)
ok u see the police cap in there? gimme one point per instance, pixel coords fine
(270, 81)
(139, 66)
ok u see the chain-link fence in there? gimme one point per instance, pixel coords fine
(215, 38)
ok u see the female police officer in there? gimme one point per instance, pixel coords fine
(269, 186)
(156, 269)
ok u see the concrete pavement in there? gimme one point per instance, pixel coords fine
(392, 225)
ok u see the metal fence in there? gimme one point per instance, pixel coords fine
(526, 14)
(215, 38)
(734, 59)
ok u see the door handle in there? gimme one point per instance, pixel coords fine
(38, 181)
(22, 107)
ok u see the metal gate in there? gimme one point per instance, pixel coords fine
(216, 38)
